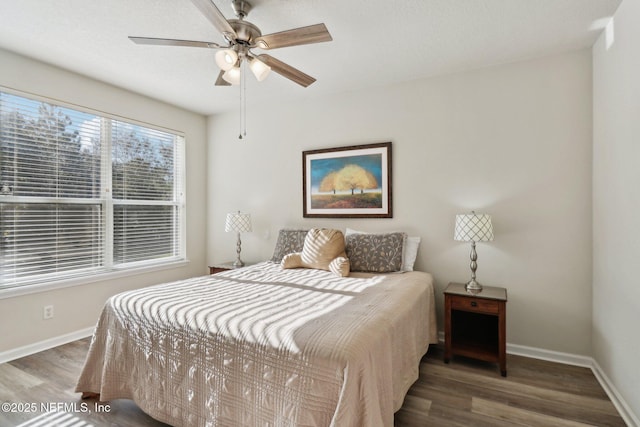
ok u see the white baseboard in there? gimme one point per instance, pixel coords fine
(27, 350)
(551, 356)
(621, 405)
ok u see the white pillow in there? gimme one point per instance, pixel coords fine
(411, 245)
(409, 251)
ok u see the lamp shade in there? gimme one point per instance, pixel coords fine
(259, 69)
(473, 227)
(238, 222)
(232, 76)
(226, 59)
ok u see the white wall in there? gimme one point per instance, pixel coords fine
(513, 141)
(616, 203)
(77, 308)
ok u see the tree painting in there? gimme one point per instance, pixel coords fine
(347, 182)
(349, 178)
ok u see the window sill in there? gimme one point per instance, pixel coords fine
(85, 280)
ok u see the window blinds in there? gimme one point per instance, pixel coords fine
(82, 193)
(146, 214)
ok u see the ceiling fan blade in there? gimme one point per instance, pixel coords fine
(286, 70)
(213, 14)
(174, 42)
(220, 81)
(304, 35)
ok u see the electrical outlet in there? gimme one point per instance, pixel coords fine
(47, 312)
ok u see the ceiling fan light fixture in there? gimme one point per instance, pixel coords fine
(232, 76)
(259, 69)
(226, 59)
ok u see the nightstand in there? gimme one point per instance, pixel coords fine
(475, 324)
(223, 266)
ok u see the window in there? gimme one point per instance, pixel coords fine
(82, 194)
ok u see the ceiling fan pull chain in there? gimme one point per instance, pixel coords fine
(241, 100)
(244, 96)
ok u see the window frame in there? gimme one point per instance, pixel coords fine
(109, 270)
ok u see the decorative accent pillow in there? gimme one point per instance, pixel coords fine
(323, 250)
(375, 253)
(409, 252)
(288, 241)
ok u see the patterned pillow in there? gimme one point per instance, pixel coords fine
(410, 250)
(375, 253)
(289, 241)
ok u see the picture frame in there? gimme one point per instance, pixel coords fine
(347, 182)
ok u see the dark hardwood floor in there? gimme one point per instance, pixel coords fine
(535, 393)
(39, 390)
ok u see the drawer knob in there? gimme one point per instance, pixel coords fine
(474, 304)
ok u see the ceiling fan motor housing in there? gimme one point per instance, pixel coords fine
(246, 32)
(241, 8)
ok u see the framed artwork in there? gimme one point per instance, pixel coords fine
(347, 182)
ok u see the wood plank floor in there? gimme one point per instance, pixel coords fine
(461, 393)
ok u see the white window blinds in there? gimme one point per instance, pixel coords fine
(82, 193)
(146, 212)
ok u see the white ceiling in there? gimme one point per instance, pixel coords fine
(375, 42)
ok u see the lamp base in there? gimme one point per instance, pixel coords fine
(473, 286)
(238, 262)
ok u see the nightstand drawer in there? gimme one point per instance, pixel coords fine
(476, 305)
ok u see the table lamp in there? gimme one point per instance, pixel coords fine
(240, 223)
(473, 228)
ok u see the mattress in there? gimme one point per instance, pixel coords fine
(262, 346)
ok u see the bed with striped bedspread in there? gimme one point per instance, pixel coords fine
(262, 346)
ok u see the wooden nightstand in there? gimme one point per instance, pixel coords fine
(475, 324)
(224, 266)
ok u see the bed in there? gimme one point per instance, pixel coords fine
(262, 346)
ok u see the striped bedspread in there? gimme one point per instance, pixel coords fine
(262, 346)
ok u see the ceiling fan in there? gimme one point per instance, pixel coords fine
(243, 36)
